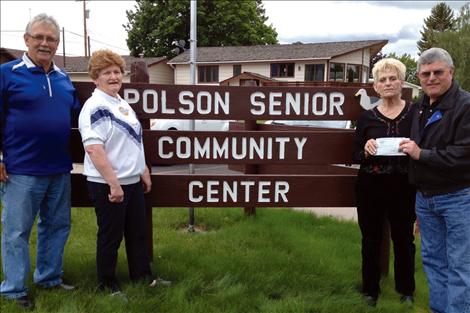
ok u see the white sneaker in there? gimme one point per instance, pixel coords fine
(66, 287)
(159, 282)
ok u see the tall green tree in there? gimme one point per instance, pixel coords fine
(154, 26)
(441, 20)
(457, 43)
(411, 67)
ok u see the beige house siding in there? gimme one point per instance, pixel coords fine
(366, 57)
(79, 77)
(350, 58)
(83, 77)
(360, 57)
(161, 73)
(182, 75)
(235, 82)
(365, 74)
(225, 71)
(416, 90)
(258, 68)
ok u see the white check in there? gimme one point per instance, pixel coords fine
(389, 146)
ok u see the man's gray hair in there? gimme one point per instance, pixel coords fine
(435, 55)
(43, 18)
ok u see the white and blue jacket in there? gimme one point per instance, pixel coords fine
(111, 122)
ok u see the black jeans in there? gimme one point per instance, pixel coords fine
(380, 198)
(115, 221)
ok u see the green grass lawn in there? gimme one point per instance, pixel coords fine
(279, 261)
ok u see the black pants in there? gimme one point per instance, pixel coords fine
(116, 220)
(381, 198)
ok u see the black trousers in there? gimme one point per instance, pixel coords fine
(380, 198)
(115, 221)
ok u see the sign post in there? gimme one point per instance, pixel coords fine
(192, 70)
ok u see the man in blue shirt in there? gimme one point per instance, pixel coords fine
(37, 103)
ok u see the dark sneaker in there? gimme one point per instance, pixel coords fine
(407, 300)
(114, 290)
(159, 282)
(118, 293)
(25, 303)
(370, 300)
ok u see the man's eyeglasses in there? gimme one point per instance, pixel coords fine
(41, 38)
(427, 74)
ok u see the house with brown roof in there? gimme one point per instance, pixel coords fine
(77, 67)
(340, 62)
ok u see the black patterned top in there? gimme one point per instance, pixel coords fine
(373, 124)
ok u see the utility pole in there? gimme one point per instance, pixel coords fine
(85, 35)
(63, 45)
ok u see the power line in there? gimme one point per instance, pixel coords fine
(98, 41)
(69, 41)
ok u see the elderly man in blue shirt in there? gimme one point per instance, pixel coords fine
(37, 105)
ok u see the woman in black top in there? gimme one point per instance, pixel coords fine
(383, 191)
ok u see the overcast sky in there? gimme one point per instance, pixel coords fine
(307, 21)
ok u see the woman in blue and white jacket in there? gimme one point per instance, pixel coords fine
(116, 173)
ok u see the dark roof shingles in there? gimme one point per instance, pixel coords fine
(277, 52)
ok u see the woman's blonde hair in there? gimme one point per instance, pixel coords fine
(389, 64)
(101, 59)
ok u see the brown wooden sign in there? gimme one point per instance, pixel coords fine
(238, 103)
(242, 190)
(306, 152)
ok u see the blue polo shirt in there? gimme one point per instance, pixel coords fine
(36, 110)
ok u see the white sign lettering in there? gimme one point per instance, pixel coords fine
(216, 191)
(318, 103)
(206, 103)
(238, 148)
(218, 103)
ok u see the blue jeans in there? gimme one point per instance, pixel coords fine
(23, 196)
(444, 223)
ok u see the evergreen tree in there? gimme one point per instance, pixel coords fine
(154, 25)
(457, 43)
(441, 20)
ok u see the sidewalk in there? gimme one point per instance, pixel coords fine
(343, 213)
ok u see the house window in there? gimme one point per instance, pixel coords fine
(208, 74)
(237, 69)
(353, 73)
(282, 69)
(314, 72)
(336, 72)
